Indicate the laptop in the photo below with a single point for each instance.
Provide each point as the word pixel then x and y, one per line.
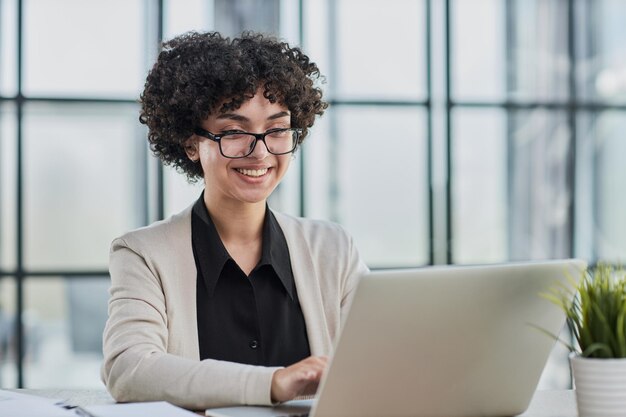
pixel 453 341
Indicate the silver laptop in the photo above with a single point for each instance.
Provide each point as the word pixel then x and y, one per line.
pixel 440 341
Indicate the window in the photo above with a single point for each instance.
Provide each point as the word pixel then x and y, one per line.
pixel 460 131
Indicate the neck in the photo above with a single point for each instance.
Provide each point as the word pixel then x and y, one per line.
pixel 236 222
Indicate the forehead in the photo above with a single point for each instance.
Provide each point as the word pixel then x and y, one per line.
pixel 256 108
pixel 259 103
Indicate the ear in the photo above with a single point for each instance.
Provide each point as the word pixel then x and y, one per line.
pixel 191 148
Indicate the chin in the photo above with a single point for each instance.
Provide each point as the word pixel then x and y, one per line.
pixel 253 199
pixel 252 195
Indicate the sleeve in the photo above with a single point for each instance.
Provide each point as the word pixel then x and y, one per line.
pixel 355 268
pixel 136 364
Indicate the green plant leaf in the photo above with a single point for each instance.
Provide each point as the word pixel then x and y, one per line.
pixel 595 311
pixel 597 347
pixel 621 341
pixel 569 346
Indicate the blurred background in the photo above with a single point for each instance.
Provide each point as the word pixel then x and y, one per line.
pixel 460 131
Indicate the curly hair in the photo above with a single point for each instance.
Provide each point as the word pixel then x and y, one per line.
pixel 198 74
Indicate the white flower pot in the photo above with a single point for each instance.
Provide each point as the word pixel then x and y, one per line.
pixel 600 386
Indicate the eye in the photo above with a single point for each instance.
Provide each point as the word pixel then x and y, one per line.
pixel 278 133
pixel 234 135
pixel 231 131
pixel 278 126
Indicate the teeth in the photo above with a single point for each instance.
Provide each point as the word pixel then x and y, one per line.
pixel 252 172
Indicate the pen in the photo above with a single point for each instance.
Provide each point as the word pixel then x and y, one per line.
pixel 80 411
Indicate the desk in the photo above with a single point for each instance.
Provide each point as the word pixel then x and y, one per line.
pixel 543 404
pixel 81 397
pixel 552 404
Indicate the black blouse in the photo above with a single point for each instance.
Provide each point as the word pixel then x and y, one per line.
pixel 253 319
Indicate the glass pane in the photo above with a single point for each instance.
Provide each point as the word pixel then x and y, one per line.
pixel 86 57
pixel 8 356
pixel 478 73
pixel 316 36
pixel 540 183
pixel 515 49
pixel 85 168
pixel 601 63
pixel 65 319
pixel 511 182
pixel 378 155
pixel 234 16
pixel 585 193
pixel 601 184
pixel 286 197
pixel 8 47
pixel 179 193
pixel 380 51
pixel 184 15
pixel 479 194
pixel 8 169
pixel 318 162
pixel 290 22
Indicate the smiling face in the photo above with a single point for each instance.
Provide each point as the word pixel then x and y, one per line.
pixel 247 180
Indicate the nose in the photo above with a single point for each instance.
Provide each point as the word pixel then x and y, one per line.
pixel 260 149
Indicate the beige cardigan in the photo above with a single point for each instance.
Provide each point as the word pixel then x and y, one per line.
pixel 151 338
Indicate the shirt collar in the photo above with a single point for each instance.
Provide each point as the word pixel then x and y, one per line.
pixel 209 251
pixel 211 255
pixel 275 251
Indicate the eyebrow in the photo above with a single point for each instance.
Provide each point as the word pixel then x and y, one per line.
pixel 240 118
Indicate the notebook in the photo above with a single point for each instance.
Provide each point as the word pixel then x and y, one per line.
pixel 454 341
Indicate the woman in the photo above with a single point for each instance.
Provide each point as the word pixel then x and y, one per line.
pixel 227 302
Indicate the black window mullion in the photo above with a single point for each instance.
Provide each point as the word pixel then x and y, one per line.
pixel 302 180
pixel 510 66
pixel 429 133
pixel 159 174
pixel 571 120
pixel 448 133
pixel 19 277
pixel 332 116
pixel 591 20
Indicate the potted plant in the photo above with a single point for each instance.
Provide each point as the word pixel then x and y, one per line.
pixel 597 319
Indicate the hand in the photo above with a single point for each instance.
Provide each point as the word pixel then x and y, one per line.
pixel 301 378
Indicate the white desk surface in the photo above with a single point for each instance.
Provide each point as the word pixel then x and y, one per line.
pixel 543 404
pixel 552 404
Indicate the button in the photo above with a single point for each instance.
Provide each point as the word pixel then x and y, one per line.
pixel 254 344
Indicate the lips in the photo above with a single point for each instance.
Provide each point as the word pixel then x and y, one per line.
pixel 252 172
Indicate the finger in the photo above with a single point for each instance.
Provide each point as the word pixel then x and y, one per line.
pixel 310 389
pixel 312 371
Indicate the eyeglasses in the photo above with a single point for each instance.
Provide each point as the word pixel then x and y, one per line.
pixel 236 144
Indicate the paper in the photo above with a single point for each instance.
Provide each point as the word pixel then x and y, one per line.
pixel 152 409
pixel 22 405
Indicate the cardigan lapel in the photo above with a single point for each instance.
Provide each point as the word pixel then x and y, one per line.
pixel 307 285
pixel 184 311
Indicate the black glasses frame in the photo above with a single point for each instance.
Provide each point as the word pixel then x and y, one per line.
pixel 257 137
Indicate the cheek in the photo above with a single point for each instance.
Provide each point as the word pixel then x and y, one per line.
pixel 210 156
pixel 285 161
pixel 215 170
